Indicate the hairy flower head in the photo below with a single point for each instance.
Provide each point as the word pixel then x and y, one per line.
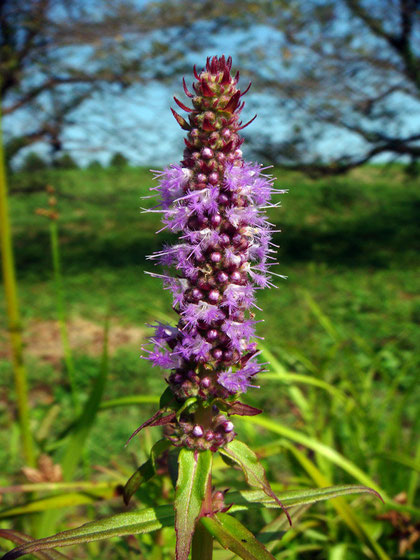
pixel 214 201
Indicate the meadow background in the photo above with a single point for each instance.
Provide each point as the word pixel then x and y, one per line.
pixel 341 394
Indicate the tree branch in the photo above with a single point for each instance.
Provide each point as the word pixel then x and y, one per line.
pixel 400 42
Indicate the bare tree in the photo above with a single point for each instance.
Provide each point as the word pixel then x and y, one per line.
pixel 337 82
pixel 57 54
pixel 348 66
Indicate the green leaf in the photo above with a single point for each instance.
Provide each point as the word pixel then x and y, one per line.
pixel 233 536
pixel 186 405
pixel 146 471
pixel 192 485
pixel 322 318
pixel 20 538
pixel 167 398
pixel 254 472
pixel 118 525
pixel 258 498
pixel 173 465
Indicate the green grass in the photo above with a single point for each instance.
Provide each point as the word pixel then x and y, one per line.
pixel 348 315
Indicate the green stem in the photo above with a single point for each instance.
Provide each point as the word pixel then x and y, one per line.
pixel 62 315
pixel 202 544
pixel 15 329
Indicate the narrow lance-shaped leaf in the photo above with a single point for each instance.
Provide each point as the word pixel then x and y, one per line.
pixel 254 472
pixel 193 479
pixel 158 419
pixel 258 498
pixel 236 408
pixel 121 524
pixel 20 538
pixel 233 536
pixel 146 471
pixel 242 409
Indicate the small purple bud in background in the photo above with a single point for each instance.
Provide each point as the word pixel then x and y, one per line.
pixel 217 353
pixel 222 277
pixel 197 294
pixel 198 431
pixel 224 240
pixel 212 334
pixel 228 427
pixel 214 296
pixel 235 276
pixel 207 153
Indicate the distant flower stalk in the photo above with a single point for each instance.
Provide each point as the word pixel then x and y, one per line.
pixel 215 202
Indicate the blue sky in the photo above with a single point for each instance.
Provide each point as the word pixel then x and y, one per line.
pixel 138 121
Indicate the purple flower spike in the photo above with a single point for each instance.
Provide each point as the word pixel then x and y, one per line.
pixel 215 201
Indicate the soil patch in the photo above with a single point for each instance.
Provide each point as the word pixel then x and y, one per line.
pixel 42 339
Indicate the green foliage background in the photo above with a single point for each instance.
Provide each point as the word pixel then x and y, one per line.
pixel 347 317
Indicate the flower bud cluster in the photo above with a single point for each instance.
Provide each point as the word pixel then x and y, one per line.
pixel 214 201
pixel 187 433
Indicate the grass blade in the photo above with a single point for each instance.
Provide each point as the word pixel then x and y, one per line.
pixel 129 401
pixel 290 378
pixel 343 509
pixel 318 447
pixel 75 444
pixel 57 502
